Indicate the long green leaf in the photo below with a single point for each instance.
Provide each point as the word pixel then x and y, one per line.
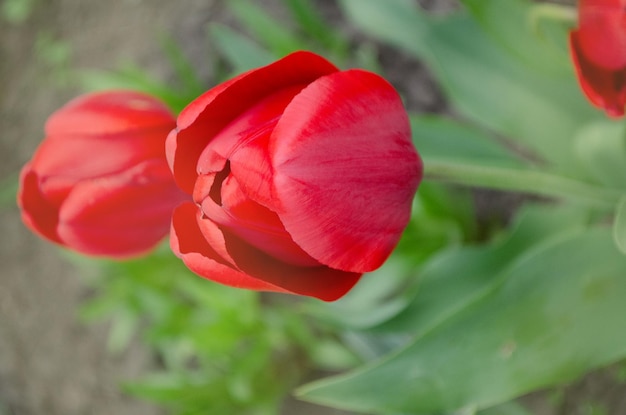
pixel 312 23
pixel 457 277
pixel 241 52
pixel 8 190
pixel 619 226
pixel 269 31
pixel 442 138
pixel 601 149
pixel 508 22
pixel 183 68
pixel 557 314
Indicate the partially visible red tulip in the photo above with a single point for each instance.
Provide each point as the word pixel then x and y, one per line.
pixel 302 176
pixel 598 49
pixel 99 182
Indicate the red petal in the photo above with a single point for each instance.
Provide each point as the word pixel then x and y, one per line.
pixel 210 113
pixel 602 32
pixel 605 88
pixel 100 134
pixel 189 244
pixel 121 215
pixel 38 213
pixel 109 113
pixel 244 143
pixel 256 123
pixel 255 224
pixel 345 170
pixel 251 165
pixel 225 198
pixel 321 282
pixel 254 269
pixel 71 157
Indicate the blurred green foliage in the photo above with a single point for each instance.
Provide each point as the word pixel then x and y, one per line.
pixel 17 11
pixel 8 190
pixel 454 322
pixel 234 351
pixel 54 55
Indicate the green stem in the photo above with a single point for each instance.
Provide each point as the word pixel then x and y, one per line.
pixel 549 11
pixel 520 180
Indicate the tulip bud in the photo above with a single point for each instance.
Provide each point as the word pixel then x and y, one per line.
pixel 99 182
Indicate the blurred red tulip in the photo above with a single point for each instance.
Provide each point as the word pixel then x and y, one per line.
pixel 99 183
pixel 302 176
pixel 598 49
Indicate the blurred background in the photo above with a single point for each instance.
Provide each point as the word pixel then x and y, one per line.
pixel 54 362
pixel 50 362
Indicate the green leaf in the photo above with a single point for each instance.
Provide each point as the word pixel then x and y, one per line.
pixel 619 226
pixel 122 329
pixel 396 21
pixel 437 203
pixel 98 308
pixel 460 276
pixel 446 139
pixel 310 21
pixel 183 68
pixel 240 51
pixel 557 313
pixel 509 23
pixel 442 216
pixel 509 408
pixel 601 149
pixel 332 355
pixel 266 29
pixel 168 388
pixel 8 190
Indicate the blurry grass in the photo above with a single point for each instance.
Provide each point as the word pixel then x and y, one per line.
pixel 17 11
pixel 54 55
pixel 8 191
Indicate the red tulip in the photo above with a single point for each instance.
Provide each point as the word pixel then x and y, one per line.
pixel 302 177
pixel 598 49
pixel 99 183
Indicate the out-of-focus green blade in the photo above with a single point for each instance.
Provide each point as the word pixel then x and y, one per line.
pixel 556 312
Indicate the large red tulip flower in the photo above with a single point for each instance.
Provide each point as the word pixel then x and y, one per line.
pixel 302 177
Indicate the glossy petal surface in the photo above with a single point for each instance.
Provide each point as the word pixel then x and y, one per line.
pixel 246 266
pixel 345 170
pixel 603 87
pixel 120 215
pixel 38 213
pixel 205 117
pixel 101 133
pixel 302 176
pixel 255 224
